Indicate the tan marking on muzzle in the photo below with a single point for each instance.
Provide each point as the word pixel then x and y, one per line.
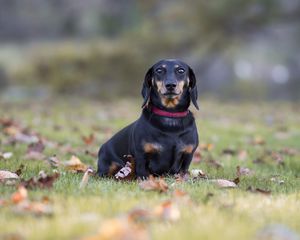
pixel 170 102
pixel 179 87
pixel 160 87
pixel 152 147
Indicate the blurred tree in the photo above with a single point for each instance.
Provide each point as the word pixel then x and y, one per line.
pixel 208 34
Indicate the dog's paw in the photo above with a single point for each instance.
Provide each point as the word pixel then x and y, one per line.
pixel 142 176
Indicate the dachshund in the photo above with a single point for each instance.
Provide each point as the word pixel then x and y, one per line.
pixel 163 140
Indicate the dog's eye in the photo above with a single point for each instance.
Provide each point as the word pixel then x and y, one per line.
pixel 159 70
pixel 180 70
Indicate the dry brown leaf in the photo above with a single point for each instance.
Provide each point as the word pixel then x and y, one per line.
pixel 42 181
pixel 258 140
pixel 206 146
pixel 36 147
pixel 120 229
pixel 35 208
pixel 7 175
pixel 179 193
pixel 54 161
pixel 214 163
pixel 167 211
pixel 289 151
pixel 19 171
pixel 125 173
pixel 75 165
pixel 34 156
pixel 88 139
pixel 197 156
pixel 198 173
pixel 223 183
pixel 154 184
pixel 140 215
pixel 20 195
pixel 85 178
pixel 259 190
pixel 6 155
pixel 242 155
pixel 181 177
pixel 243 171
pixel 229 151
pixel 181 196
pixel 22 205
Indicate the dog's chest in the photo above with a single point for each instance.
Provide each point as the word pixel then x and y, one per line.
pixel 162 154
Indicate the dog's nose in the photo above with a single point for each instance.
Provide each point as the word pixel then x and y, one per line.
pixel 170 86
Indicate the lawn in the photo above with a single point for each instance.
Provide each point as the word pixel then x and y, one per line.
pixel 263 139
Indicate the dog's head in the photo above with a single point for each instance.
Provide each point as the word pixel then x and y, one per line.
pixel 170 84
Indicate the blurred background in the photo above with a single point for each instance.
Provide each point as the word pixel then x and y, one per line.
pixel 239 50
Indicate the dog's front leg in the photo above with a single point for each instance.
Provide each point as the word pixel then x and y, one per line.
pixel 186 161
pixel 141 170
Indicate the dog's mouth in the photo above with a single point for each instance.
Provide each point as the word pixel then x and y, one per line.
pixel 171 94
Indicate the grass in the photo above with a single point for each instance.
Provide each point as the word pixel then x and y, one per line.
pixel 227 214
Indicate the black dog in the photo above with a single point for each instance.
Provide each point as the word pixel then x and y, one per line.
pixel 164 138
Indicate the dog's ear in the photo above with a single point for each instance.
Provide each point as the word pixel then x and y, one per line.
pixel 146 89
pixel 193 88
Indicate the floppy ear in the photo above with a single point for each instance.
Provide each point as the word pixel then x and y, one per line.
pixel 147 86
pixel 193 88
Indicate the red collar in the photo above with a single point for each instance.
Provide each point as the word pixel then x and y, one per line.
pixel 168 114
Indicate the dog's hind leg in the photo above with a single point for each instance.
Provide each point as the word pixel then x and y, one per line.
pixel 108 162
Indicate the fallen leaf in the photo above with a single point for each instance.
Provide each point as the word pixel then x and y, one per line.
pixel 20 170
pixel 127 172
pixel 20 195
pixel 154 184
pixel 181 196
pixel 236 180
pixel 7 175
pixel 198 173
pixel 289 151
pixel 42 181
pixel 75 165
pixel 22 205
pixel 11 236
pixel 259 190
pixel 122 228
pixel 182 177
pixel 277 157
pixel 140 215
pixel 124 173
pixel 167 211
pixel 88 139
pixel 258 140
pixel 223 183
pixel 85 178
pixel 276 180
pixel 6 155
pixel 242 155
pixel 36 147
pixel 35 208
pixel 243 171
pixel 229 151
pixel 197 157
pixel 34 156
pixel 206 146
pixel 54 161
pixel 214 163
